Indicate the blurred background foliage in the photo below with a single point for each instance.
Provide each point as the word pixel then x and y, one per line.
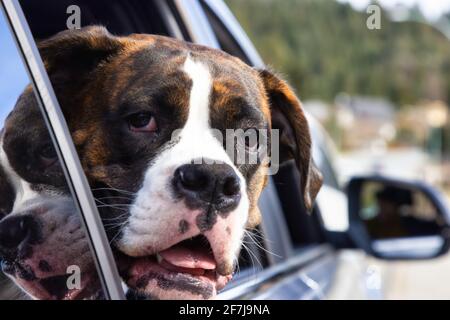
pixel 382 95
pixel 324 48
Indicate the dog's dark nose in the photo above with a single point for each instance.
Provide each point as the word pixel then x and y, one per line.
pixel 204 185
pixel 15 231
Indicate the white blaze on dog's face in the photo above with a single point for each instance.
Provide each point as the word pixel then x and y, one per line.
pixel 40 231
pixel 144 116
pixel 154 205
pixel 167 209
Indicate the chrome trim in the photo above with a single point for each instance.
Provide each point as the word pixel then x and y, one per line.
pixel 308 283
pixel 196 22
pixel 100 248
pixel 422 246
pixel 224 14
pixel 299 260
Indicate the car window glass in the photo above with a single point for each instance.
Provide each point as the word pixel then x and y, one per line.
pixel 122 117
pixel 48 17
pixel 226 40
pixel 44 249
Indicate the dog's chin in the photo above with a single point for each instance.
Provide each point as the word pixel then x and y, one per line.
pixel 54 287
pixel 186 270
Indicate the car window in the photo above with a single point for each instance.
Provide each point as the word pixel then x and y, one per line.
pixel 226 41
pixel 103 84
pixel 123 18
pixel 45 251
pixel 118 16
pixel 323 153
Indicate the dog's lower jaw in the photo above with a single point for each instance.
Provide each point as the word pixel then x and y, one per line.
pixel 150 280
pixel 179 272
pixel 56 288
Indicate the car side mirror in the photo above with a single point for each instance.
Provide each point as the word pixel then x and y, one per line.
pixel 394 219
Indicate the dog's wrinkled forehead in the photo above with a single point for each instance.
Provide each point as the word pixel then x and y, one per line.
pixel 156 71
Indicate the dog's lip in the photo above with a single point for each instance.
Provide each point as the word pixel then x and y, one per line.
pixel 145 273
pixel 55 287
pixel 185 261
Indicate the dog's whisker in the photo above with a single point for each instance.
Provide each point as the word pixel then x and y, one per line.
pixel 108 206
pixel 254 237
pixel 118 205
pixel 258 267
pixel 258 234
pixel 119 189
pixel 117 234
pixel 114 189
pixel 113 224
pixel 121 216
pixel 260 246
pixel 253 257
pixel 115 197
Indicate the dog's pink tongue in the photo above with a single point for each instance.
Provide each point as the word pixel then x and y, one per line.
pixel 187 258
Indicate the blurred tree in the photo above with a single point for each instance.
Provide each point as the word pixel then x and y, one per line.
pixel 324 48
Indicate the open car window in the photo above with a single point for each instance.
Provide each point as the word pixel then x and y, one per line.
pixel 105 70
pixel 45 251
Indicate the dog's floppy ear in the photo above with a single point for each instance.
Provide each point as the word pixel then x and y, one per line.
pixel 295 138
pixel 71 54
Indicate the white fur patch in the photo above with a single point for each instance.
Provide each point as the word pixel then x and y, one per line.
pixel 154 216
pixel 22 188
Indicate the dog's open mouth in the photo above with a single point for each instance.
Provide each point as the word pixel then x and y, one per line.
pixel 185 270
pixel 58 288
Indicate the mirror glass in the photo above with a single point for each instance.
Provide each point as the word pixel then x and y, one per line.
pixel 400 219
pixel 44 250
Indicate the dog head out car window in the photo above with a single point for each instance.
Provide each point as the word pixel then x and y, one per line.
pixel 150 117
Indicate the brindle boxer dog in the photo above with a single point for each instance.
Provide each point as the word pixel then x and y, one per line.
pixel 40 231
pixel 141 110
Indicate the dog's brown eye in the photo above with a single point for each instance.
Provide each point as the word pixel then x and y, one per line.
pixel 142 122
pixel 47 155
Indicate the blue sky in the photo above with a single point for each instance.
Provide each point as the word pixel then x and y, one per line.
pixel 13 77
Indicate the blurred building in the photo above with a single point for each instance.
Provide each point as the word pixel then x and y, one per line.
pixel 364 121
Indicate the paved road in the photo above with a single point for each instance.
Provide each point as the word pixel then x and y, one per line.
pixel 416 279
